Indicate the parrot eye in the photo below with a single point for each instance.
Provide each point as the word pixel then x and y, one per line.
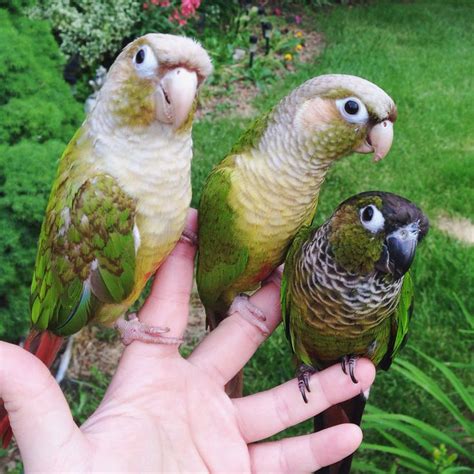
pixel 352 110
pixel 351 107
pixel 145 61
pixel 140 56
pixel 371 218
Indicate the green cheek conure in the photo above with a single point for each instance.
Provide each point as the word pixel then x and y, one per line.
pixel 346 292
pixel 120 199
pixel 255 201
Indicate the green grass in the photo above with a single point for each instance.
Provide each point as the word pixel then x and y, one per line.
pixel 421 53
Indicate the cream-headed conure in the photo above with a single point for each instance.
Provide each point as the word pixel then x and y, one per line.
pixel 255 201
pixel 346 292
pixel 120 198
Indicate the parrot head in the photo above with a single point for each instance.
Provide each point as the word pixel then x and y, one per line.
pixel 337 114
pixel 376 231
pixel 154 80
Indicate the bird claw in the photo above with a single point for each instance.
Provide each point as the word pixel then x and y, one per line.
pixel 304 374
pixel 132 329
pixel 249 312
pixel 349 363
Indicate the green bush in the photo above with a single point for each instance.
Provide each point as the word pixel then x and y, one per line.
pixel 37 118
pixel 90 28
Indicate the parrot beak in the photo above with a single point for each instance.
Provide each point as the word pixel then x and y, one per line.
pixel 175 96
pixel 379 140
pixel 401 247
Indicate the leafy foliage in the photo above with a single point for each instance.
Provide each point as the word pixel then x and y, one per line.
pixel 405 436
pixel 94 31
pixel 90 28
pixel 37 117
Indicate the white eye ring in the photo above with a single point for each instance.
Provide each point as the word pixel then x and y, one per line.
pixel 371 218
pixel 145 61
pixel 352 110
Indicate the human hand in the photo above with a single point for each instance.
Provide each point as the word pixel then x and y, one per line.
pixel 165 413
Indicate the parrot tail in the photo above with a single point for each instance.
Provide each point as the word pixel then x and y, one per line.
pixel 6 432
pixel 45 346
pixel 349 411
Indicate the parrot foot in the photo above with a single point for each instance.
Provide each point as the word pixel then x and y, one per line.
pixel 349 362
pixel 304 374
pixel 249 312
pixel 189 237
pixel 132 329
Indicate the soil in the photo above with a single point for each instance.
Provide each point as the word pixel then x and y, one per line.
pixel 216 103
pixel 457 227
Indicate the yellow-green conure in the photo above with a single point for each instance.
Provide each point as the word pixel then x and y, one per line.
pixel 119 201
pixel 255 201
pixel 346 293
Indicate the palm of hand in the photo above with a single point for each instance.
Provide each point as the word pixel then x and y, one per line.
pixel 191 426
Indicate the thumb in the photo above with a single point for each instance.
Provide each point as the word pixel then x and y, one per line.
pixel 39 414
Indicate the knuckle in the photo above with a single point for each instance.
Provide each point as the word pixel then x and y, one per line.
pixel 282 409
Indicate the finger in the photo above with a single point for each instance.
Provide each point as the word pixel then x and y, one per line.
pixel 229 347
pixel 306 453
pixel 38 412
pixel 168 302
pixel 266 413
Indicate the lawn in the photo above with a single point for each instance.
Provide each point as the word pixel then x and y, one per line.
pixel 421 53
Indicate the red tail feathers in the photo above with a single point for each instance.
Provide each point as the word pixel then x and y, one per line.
pixel 45 346
pixel 5 430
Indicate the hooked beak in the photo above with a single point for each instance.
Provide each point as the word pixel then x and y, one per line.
pixel 378 140
pixel 175 96
pixel 400 247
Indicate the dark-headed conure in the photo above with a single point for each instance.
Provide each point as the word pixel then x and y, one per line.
pixel 346 292
pixel 120 199
pixel 255 201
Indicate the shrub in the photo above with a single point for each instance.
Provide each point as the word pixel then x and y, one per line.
pixel 96 30
pixel 90 28
pixel 37 118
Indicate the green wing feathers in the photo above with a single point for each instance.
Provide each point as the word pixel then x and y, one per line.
pixel 86 255
pixel 222 258
pixel 400 322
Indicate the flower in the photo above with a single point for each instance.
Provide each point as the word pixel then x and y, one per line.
pixel 298 47
pixel 145 6
pixel 155 2
pixel 288 57
pixel 298 19
pixel 177 18
pixel 277 11
pixel 299 34
pixel 188 7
